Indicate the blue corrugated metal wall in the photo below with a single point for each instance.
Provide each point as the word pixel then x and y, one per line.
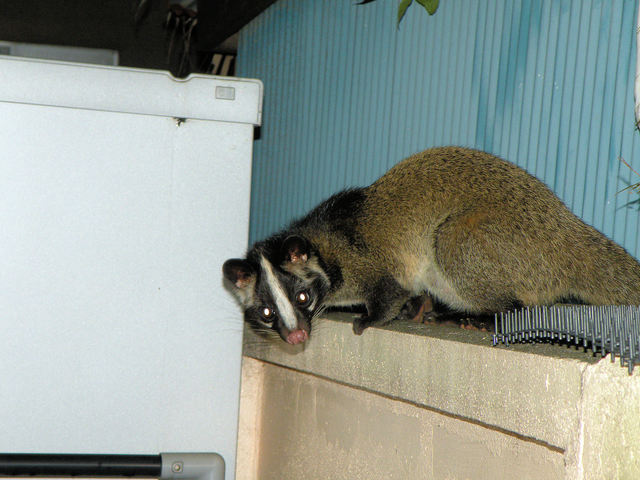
pixel 547 84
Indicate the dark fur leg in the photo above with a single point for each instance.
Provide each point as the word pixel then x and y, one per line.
pixel 384 303
pixel 417 309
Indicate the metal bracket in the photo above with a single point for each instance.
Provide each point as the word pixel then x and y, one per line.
pixel 192 466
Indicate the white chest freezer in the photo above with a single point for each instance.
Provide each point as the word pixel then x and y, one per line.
pixel 122 192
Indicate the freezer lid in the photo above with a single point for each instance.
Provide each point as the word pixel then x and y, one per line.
pixel 130 90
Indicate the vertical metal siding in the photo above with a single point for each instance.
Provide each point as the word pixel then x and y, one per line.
pixel 547 84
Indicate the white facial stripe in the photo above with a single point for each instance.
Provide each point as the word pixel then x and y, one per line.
pixel 285 309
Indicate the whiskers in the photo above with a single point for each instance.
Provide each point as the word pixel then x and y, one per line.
pixel 259 337
pixel 265 334
pixel 230 327
pixel 318 312
pixel 317 322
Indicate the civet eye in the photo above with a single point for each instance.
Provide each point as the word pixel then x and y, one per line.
pixel 267 313
pixel 302 298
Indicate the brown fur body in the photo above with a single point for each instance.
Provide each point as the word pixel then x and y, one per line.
pixel 476 232
pixel 481 234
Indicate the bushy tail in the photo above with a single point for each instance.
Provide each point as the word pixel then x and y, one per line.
pixel 611 276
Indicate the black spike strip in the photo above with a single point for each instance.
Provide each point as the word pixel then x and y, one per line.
pixel 609 329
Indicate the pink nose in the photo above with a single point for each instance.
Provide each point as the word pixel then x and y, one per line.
pixel 297 336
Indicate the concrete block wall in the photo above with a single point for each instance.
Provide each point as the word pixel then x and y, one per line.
pixel 433 402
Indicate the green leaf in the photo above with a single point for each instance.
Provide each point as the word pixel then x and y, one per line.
pixel 429 5
pixel 402 9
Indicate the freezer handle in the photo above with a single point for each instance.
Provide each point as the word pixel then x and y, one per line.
pixel 175 466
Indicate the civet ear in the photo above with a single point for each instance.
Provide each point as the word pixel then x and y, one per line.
pixel 239 272
pixel 295 249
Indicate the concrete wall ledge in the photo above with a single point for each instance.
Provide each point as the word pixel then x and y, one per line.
pixel 560 397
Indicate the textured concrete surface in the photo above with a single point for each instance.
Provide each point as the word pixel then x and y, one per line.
pixel 250 421
pixel 561 400
pixel 531 392
pixel 608 442
pixel 312 428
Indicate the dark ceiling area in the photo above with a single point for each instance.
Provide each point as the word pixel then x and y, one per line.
pixel 137 29
pixel 221 19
